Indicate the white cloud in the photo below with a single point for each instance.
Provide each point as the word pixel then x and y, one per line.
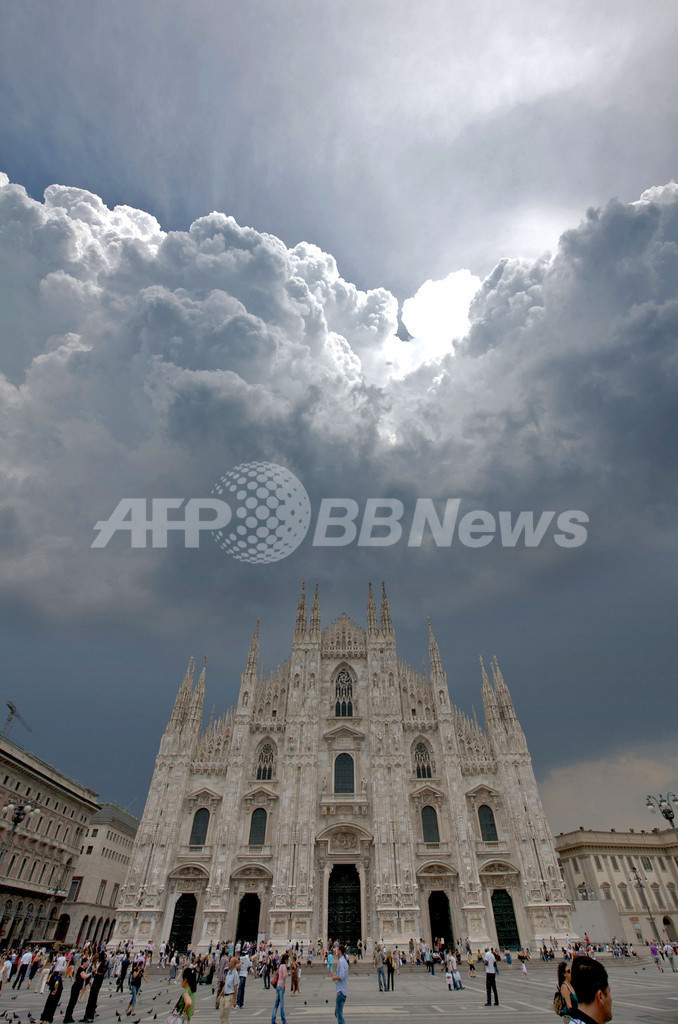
pixel 438 314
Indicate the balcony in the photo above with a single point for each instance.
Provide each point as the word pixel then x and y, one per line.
pixel 344 804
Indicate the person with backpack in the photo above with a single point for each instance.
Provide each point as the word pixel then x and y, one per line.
pixel 565 999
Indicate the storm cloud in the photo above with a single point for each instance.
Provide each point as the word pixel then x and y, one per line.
pixel 142 362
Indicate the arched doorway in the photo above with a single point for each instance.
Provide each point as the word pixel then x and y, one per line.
pixel 671 934
pixel 181 931
pixel 343 905
pixel 83 926
pixel 62 928
pixel 248 918
pixel 505 920
pixel 440 918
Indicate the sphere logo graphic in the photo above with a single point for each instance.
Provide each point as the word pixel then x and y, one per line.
pixel 271 512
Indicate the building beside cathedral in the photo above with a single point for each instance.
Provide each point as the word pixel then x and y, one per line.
pixel 344 796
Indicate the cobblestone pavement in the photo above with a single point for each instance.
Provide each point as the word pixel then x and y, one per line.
pixel 639 994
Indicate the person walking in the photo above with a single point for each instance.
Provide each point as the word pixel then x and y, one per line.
pixel 82 975
pixel 244 967
pixel 56 987
pixel 124 967
pixel 24 964
pixel 490 977
pixel 138 975
pixel 226 999
pixel 340 976
pixel 186 1001
pixel 279 979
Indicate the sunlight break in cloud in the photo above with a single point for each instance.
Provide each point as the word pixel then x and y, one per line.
pixel 438 313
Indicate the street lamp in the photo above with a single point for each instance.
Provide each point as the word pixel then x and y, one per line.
pixel 20 810
pixel 586 894
pixel 664 804
pixel 635 879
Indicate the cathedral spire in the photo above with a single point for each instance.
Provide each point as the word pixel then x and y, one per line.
pixel 502 691
pixel 507 712
pixel 302 625
pixel 489 697
pixel 198 695
pixel 184 692
pixel 315 614
pixel 433 652
pixel 253 656
pixel 372 627
pixel 385 618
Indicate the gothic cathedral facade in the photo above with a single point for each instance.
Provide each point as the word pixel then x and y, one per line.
pixel 344 796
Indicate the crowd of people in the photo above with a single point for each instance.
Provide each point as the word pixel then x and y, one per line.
pixel 225 967
pixel 87 968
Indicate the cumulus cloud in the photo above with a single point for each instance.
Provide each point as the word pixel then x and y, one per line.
pixel 140 362
pixel 135 358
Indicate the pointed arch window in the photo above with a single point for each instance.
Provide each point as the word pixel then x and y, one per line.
pixel 488 827
pixel 344 774
pixel 429 824
pixel 201 820
pixel 258 827
pixel 343 696
pixel 266 763
pixel 422 761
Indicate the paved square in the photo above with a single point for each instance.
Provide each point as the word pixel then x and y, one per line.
pixel 639 994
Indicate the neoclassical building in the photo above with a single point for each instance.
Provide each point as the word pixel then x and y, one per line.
pixel 344 796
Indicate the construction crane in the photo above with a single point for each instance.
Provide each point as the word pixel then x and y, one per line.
pixel 13 713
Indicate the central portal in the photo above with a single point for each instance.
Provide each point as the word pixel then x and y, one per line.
pixel 343 905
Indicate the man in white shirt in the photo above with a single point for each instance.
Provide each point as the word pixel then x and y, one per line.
pixel 340 976
pixel 491 977
pixel 24 964
pixel 244 968
pixel 227 996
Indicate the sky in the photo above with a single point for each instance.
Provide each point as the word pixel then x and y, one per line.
pixel 404 252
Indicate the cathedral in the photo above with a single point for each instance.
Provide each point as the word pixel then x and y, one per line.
pixel 343 797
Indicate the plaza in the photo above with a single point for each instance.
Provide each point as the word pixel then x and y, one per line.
pixel 640 994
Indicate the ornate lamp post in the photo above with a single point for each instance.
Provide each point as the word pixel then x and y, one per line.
pixel 20 810
pixel 635 878
pixel 664 804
